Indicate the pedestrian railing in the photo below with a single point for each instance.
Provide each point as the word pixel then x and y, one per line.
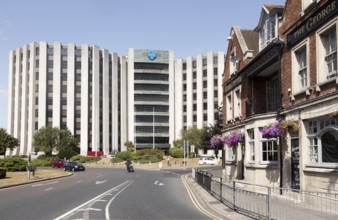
pixel 264 202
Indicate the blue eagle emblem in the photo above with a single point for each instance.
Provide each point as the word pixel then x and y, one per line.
pixel 152 55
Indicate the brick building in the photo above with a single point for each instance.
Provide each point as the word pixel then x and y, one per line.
pixel 285 70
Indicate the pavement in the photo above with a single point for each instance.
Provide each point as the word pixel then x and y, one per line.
pixel 201 198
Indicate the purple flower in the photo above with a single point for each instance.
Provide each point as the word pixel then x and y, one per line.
pixel 233 138
pixel 215 141
pixel 272 130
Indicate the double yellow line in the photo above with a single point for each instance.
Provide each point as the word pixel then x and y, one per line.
pixel 194 199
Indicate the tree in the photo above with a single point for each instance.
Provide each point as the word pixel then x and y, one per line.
pixel 7 142
pixel 194 135
pixel 67 141
pixel 50 138
pixel 129 145
pixel 178 143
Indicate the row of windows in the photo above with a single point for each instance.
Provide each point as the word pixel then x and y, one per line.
pixel 205 84
pixel 205 74
pixel 204 62
pixel 326 59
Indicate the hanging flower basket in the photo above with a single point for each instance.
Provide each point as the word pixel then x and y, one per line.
pixel 272 130
pixel 215 141
pixel 290 125
pixel 232 139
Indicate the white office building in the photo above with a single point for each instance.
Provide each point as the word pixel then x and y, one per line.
pixel 105 100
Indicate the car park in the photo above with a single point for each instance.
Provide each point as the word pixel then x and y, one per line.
pixel 57 163
pixel 73 166
pixel 207 161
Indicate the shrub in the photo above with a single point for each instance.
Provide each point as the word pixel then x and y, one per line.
pixel 124 155
pixel 150 152
pixel 116 160
pixel 176 152
pixel 3 173
pixel 14 164
pixel 45 162
pixel 84 159
pixel 147 159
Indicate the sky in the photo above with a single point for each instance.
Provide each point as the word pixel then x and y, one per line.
pixel 188 27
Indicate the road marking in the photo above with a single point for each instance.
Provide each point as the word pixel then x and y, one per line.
pixel 112 199
pixel 48 189
pixel 158 183
pixel 100 182
pixel 89 209
pixel 45 184
pixel 79 181
pixel 194 200
pixel 124 184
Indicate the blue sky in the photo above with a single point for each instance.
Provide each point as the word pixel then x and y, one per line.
pixel 188 27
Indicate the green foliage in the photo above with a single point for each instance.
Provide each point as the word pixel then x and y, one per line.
pixel 129 145
pixel 124 155
pixel 44 162
pixel 194 135
pixel 50 138
pixel 178 143
pixel 147 159
pixel 3 173
pixel 13 164
pixel 7 141
pixel 67 153
pixel 84 159
pixel 176 152
pixel 150 152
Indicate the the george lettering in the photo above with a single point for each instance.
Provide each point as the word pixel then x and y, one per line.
pixel 314 20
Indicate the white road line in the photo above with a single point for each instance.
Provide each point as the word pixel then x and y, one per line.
pixel 44 184
pixel 112 199
pixel 48 189
pixel 97 197
pixel 156 182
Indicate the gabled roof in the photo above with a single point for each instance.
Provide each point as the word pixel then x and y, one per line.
pixel 247 39
pixel 270 10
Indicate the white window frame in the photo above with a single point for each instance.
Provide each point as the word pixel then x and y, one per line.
pixel 229 111
pixel 265 34
pixel 232 65
pixel 321 52
pixel 297 86
pixel 230 153
pixel 237 102
pixel 274 143
pixel 315 129
pixel 251 145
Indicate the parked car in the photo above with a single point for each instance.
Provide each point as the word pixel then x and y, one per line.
pixel 207 161
pixel 57 163
pixel 73 166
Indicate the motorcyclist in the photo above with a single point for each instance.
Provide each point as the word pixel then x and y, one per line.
pixel 129 166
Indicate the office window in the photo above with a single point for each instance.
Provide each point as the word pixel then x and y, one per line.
pixel 205 106
pixel 205 84
pixel 194 107
pixel 215 60
pixel 194 64
pixel 205 95
pixel 194 96
pixel 194 75
pixel 194 85
pixel 205 61
pixel 184 76
pixel 205 73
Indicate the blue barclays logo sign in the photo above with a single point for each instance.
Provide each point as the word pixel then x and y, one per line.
pixel 152 55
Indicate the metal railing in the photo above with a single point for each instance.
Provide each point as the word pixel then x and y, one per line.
pixel 264 202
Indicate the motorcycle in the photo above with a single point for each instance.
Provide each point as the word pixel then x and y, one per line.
pixel 130 167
